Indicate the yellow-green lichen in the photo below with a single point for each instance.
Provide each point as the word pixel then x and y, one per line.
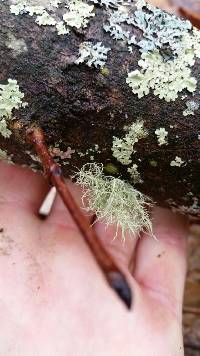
pixel 114 200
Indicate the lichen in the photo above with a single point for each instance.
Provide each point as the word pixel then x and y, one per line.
pixel 78 13
pixel 45 19
pixel 191 106
pixel 4 130
pixel 177 162
pixel 161 134
pixel 61 28
pixel 135 175
pixel 114 201
pixel 92 54
pixel 10 98
pixel 169 47
pixel 166 79
pixel 4 156
pixel 108 3
pixel 122 148
pixel 17 45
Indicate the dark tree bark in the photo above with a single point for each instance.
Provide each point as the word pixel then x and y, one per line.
pixel 79 107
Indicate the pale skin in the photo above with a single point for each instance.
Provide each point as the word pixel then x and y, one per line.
pixel 54 300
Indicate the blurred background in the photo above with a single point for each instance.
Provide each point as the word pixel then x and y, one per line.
pixel 189 9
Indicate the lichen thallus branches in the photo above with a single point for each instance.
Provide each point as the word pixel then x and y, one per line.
pixel 112 273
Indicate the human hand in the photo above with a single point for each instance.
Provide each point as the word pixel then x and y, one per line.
pixel 54 300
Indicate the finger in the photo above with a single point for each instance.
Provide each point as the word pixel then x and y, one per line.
pixel 120 247
pixel 60 214
pixel 22 186
pixel 161 265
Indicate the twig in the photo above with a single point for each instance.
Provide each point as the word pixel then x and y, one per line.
pixel 112 273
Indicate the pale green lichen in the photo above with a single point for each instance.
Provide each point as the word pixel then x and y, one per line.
pixel 135 175
pixel 78 13
pixel 161 134
pixel 177 162
pixel 92 54
pixel 191 107
pixel 4 130
pixel 4 156
pixel 114 200
pixel 10 98
pixel 45 19
pixel 169 48
pixel 122 148
pixel 61 28
pixel 166 78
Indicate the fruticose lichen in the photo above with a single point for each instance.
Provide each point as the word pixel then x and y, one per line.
pixel 122 148
pixel 92 54
pixel 114 200
pixel 177 162
pixel 191 106
pixel 161 134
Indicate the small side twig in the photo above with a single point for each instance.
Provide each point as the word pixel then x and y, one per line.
pixel 111 271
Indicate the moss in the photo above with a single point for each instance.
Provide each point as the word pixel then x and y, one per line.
pixel 110 168
pixel 153 163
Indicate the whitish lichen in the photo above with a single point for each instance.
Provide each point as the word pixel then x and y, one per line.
pixel 122 148
pixel 45 19
pixel 191 106
pixel 114 200
pixel 177 162
pixel 78 13
pixel 4 131
pixel 17 45
pixel 61 28
pixel 161 134
pixel 92 54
